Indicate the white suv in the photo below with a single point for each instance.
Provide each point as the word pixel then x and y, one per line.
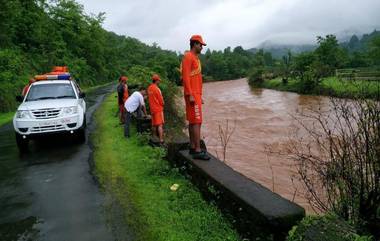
pixel 50 107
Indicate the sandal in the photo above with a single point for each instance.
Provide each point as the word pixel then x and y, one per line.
pixel 202 155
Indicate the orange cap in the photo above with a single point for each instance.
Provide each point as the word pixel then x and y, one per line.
pixel 123 78
pixel 156 77
pixel 198 38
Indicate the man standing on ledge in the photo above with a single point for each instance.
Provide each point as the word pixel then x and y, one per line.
pixel 156 104
pixel 192 86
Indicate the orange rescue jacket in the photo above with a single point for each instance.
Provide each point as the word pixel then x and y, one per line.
pixel 156 101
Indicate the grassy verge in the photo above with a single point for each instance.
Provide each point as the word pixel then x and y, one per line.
pixel 331 86
pixel 6 117
pixel 140 179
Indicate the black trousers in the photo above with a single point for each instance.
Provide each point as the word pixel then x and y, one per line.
pixel 128 119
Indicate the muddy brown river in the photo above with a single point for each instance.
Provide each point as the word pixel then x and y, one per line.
pixel 259 118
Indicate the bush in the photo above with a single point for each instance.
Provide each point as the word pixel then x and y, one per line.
pixel 308 82
pixel 337 155
pixel 324 228
pixel 12 77
pixel 256 77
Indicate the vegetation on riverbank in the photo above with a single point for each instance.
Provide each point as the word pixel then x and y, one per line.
pixel 327 227
pixel 319 72
pixel 330 86
pixel 140 179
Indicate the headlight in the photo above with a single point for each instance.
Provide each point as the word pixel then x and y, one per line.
pixel 23 114
pixel 70 110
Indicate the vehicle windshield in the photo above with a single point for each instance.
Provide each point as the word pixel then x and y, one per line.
pixel 50 91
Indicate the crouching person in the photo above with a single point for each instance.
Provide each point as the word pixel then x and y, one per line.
pixel 156 104
pixel 135 103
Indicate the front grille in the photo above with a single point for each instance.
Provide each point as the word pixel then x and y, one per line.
pixel 47 128
pixel 46 113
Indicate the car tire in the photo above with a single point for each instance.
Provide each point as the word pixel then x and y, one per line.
pixel 81 133
pixel 22 143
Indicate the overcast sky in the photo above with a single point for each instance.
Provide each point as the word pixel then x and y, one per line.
pixel 223 23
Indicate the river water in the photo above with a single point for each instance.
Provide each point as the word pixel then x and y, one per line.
pixel 259 119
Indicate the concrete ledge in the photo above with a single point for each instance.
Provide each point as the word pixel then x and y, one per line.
pixel 255 210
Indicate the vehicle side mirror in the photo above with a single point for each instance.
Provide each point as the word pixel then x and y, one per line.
pixel 82 95
pixel 19 98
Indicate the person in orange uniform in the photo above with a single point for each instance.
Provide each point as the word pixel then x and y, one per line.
pixel 192 84
pixel 122 92
pixel 26 88
pixel 156 104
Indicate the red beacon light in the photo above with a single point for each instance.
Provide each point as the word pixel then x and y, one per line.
pixel 63 76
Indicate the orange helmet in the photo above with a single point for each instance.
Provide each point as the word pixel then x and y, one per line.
pixel 155 77
pixel 123 79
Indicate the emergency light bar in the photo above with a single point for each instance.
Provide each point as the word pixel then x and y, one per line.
pixel 65 76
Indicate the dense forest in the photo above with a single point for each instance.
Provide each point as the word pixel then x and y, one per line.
pixel 38 34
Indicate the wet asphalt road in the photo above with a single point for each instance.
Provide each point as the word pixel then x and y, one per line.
pixel 50 193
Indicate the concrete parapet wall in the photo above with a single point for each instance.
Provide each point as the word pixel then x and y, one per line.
pixel 253 209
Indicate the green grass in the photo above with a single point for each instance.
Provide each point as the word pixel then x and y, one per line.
pixel 6 117
pixel 278 85
pixel 140 179
pixel 331 86
pixel 346 88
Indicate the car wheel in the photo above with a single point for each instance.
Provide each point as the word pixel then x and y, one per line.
pixel 81 133
pixel 22 143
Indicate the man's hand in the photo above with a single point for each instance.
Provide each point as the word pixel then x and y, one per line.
pixel 191 99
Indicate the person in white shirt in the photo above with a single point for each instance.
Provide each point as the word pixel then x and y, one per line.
pixel 135 103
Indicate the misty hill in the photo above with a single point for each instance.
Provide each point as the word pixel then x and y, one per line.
pixel 356 44
pixel 279 50
pixel 353 43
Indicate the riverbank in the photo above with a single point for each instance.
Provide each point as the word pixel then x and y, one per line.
pixel 140 179
pixel 330 86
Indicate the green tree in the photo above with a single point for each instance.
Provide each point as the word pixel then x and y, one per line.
pixel 286 66
pixel 329 55
pixel 374 50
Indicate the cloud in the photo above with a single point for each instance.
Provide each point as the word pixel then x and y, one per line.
pixel 235 22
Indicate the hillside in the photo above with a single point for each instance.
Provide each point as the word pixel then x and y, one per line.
pixel 353 43
pixel 35 35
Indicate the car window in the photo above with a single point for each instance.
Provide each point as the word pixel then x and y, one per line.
pixel 77 87
pixel 50 91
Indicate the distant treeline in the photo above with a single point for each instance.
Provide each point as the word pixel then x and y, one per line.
pixel 38 34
